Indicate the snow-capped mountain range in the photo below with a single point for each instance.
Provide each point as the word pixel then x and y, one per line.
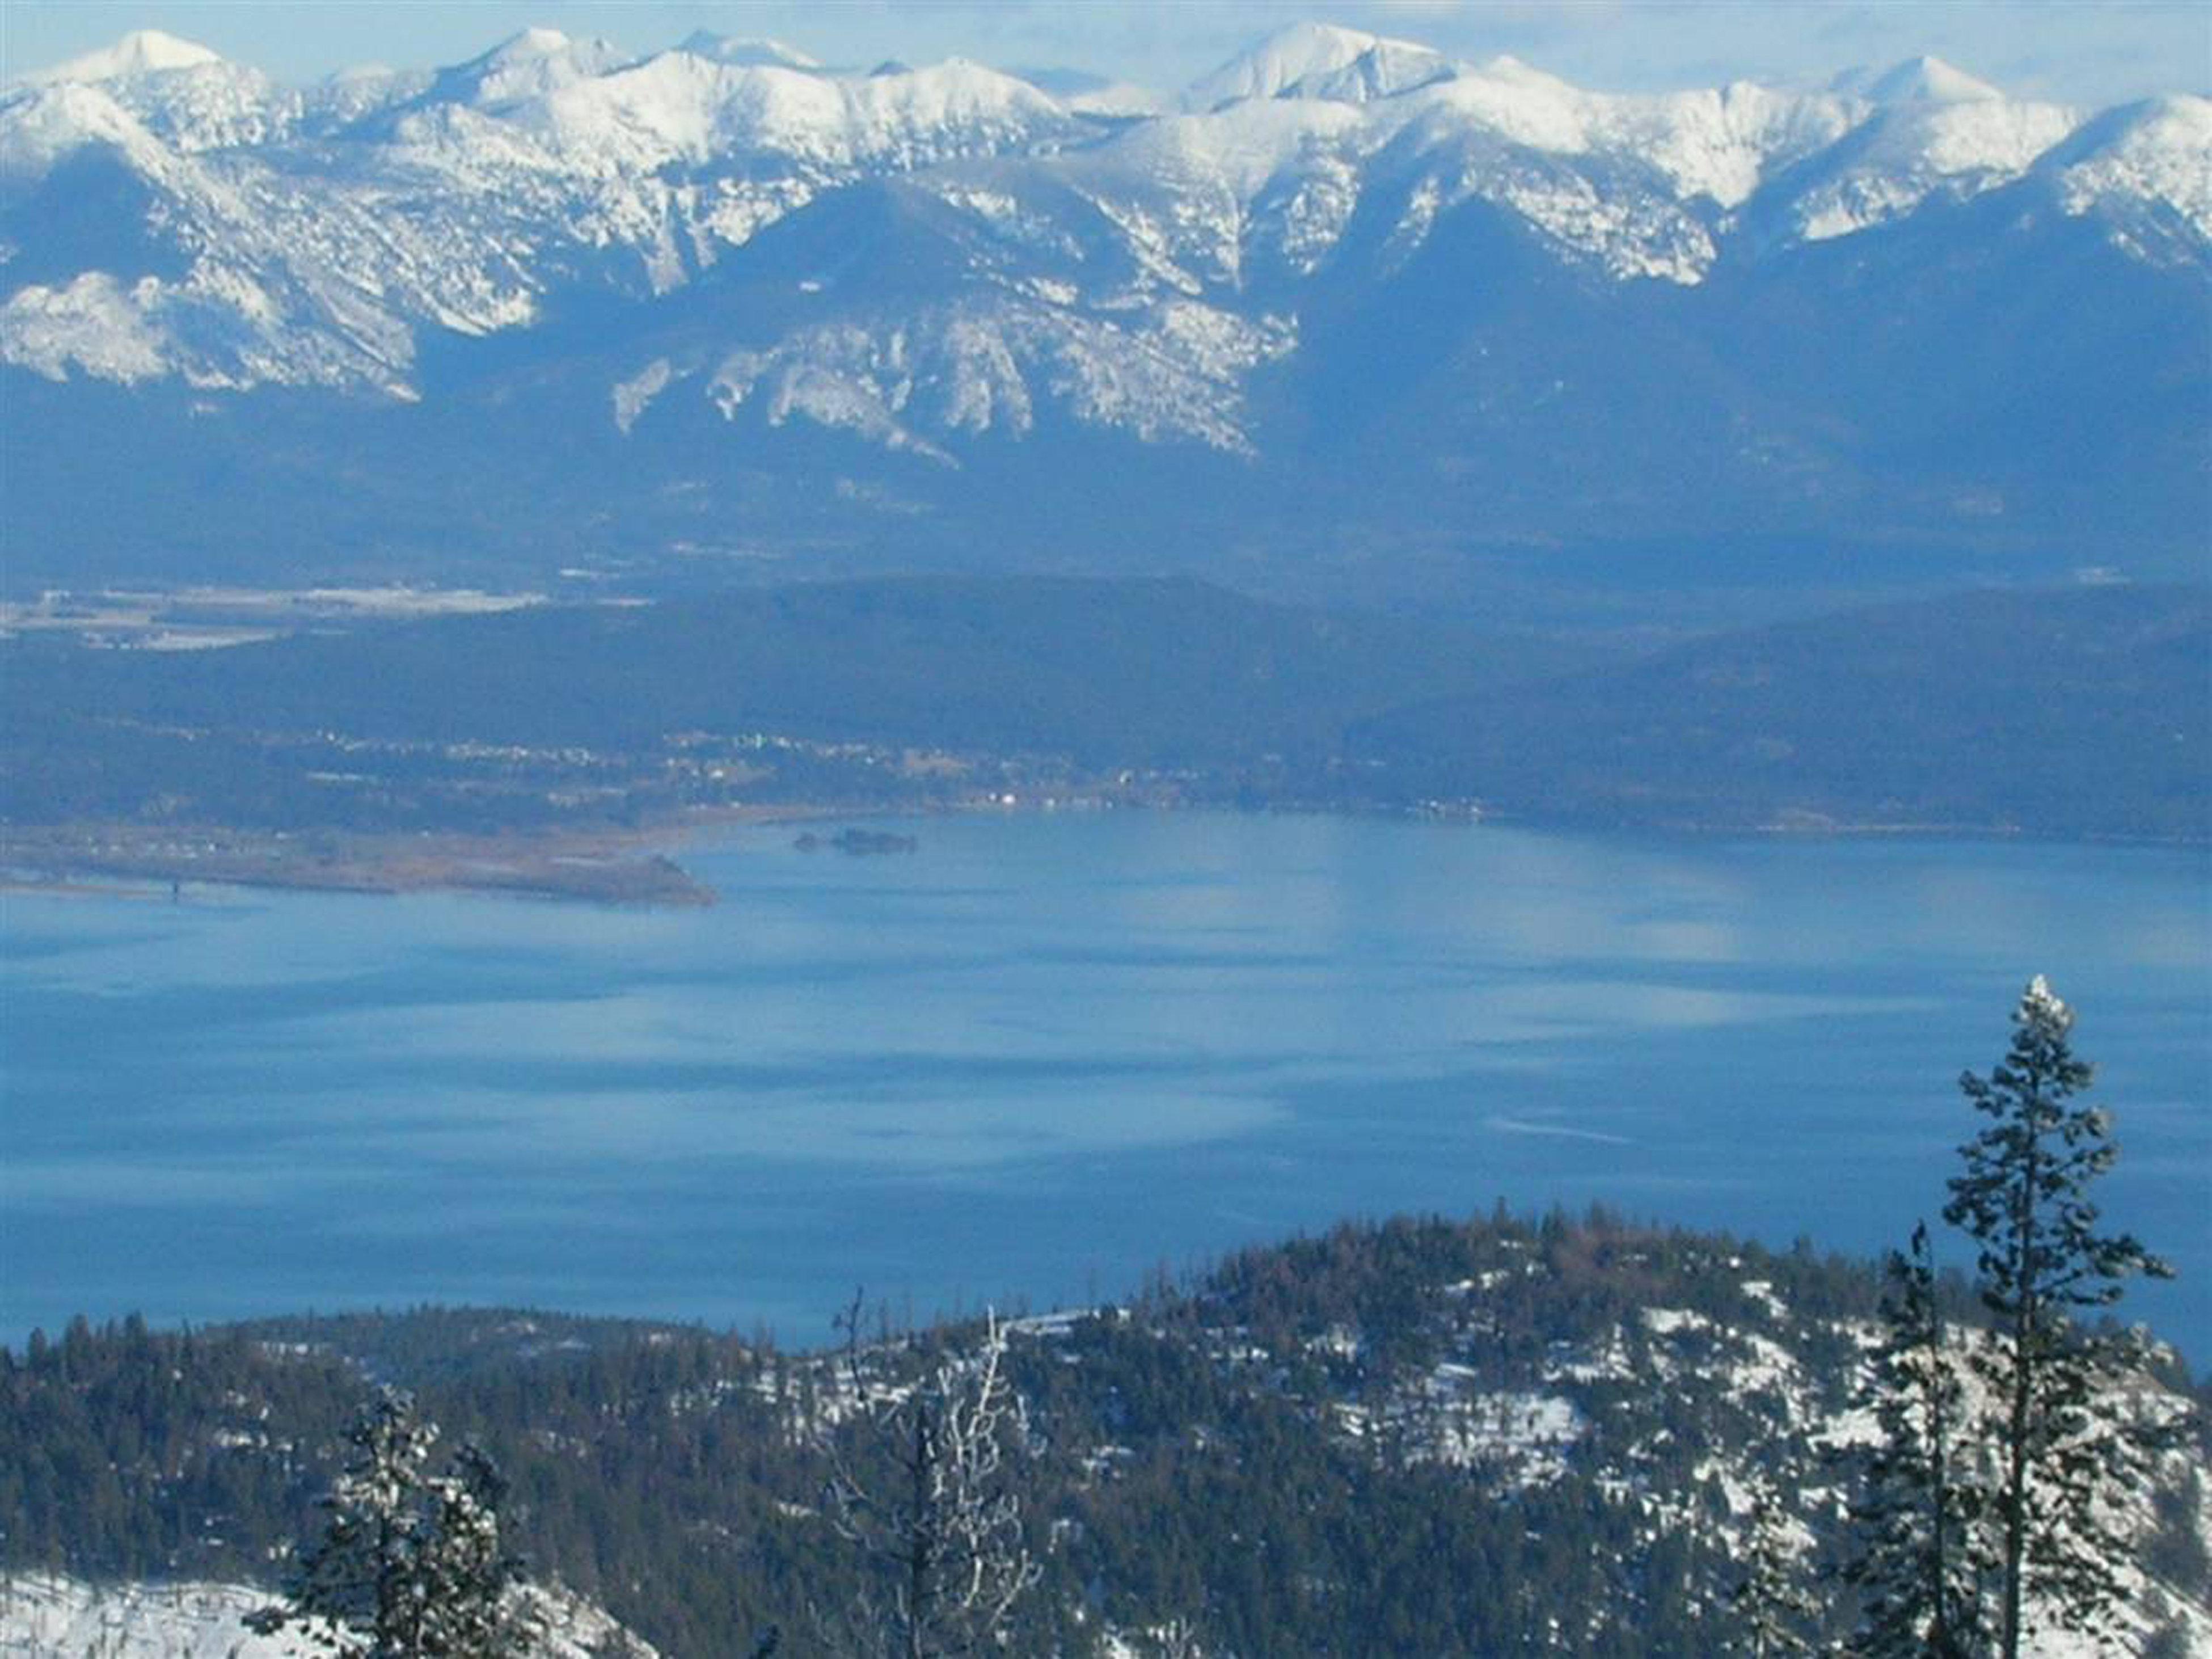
pixel 928 259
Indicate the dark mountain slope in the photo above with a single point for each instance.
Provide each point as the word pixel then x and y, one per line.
pixel 2081 711
pixel 2085 711
pixel 1163 673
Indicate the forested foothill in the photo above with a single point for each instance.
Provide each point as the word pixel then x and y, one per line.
pixel 2075 712
pixel 1421 1436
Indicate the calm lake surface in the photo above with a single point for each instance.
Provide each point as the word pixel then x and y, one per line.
pixel 1042 1056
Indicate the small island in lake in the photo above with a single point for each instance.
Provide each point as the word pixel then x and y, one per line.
pixel 858 843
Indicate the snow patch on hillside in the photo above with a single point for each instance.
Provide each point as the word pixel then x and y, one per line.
pixel 1170 371
pixel 94 325
pixel 633 396
pixel 44 1615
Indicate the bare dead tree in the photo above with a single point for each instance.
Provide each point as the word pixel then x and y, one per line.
pixel 919 1485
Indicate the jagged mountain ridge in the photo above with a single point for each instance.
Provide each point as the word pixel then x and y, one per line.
pixel 933 265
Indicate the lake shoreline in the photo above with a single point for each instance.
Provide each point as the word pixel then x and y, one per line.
pixel 640 864
pixel 604 866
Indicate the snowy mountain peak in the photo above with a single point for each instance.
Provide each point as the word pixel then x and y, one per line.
pixel 1384 71
pixel 1504 67
pixel 744 51
pixel 531 65
pixel 1086 94
pixel 531 42
pixel 142 51
pixel 950 95
pixel 2157 152
pixel 1928 81
pixel 1310 53
pixel 2181 121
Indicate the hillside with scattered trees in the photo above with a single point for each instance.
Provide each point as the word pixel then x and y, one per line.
pixel 1567 1434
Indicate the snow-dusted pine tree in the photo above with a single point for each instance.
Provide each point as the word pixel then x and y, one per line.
pixel 1772 1611
pixel 409 1564
pixel 467 1576
pixel 2072 1451
pixel 1769 1607
pixel 1921 1557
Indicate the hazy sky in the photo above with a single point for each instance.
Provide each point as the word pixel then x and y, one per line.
pixel 2089 52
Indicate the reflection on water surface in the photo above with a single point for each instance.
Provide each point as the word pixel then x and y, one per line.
pixel 1042 1056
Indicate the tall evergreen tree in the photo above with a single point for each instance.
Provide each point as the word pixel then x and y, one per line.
pixel 466 1572
pixel 1922 1558
pixel 409 1564
pixel 2071 1451
pixel 1769 1608
pixel 1771 1612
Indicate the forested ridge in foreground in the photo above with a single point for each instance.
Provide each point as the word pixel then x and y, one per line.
pixel 1421 1436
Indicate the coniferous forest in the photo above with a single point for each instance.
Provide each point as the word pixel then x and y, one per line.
pixel 1495 1435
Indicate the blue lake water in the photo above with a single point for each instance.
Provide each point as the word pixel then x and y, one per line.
pixel 1044 1055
